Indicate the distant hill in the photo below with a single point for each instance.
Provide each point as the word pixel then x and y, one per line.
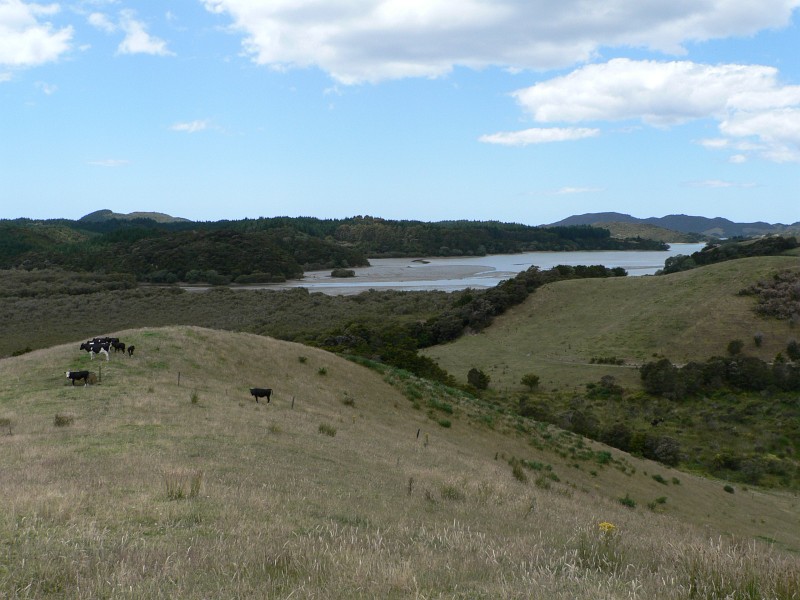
pixel 106 215
pixel 716 227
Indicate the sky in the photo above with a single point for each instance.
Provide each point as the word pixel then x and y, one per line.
pixel 524 111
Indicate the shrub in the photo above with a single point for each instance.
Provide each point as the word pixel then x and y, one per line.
pixel 343 273
pixel 660 479
pixel 735 347
pixel 478 379
pixel 5 423
pixel 445 423
pixel 322 371
pixel 793 350
pixel 302 359
pixel 628 501
pixel 530 380
pixel 728 488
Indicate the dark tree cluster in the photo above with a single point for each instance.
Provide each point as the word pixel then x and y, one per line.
pixel 729 250
pixel 738 372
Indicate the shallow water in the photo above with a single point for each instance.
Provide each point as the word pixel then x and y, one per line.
pixel 457 273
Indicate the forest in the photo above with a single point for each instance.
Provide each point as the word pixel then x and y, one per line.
pixel 270 250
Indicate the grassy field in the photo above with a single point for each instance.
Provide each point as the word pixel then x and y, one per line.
pixel 684 316
pixel 166 480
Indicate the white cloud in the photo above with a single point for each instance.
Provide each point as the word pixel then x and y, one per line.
pixel 371 40
pixel 109 162
pixel 538 135
pixel 27 42
pixel 102 22
pixel 719 183
pixel 190 126
pixel 137 40
pixel 658 93
pixel 47 88
pixel 755 113
pixel 567 191
pixel 5 76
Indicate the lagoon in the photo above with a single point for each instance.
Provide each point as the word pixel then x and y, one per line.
pixel 457 273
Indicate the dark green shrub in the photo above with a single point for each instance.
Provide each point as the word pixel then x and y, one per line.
pixel 728 488
pixel 478 379
pixel 627 501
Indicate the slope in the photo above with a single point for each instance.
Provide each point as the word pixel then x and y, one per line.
pixel 559 330
pixel 166 480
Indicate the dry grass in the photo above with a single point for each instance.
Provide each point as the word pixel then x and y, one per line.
pixel 374 512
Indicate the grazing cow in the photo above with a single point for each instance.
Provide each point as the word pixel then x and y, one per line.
pixel 130 350
pixel 78 375
pixel 96 348
pixel 261 393
pixel 117 346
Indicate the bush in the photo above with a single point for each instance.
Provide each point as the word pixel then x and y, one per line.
pixel 627 501
pixel 343 273
pixel 63 419
pixel 530 380
pixel 478 379
pixel 729 489
pixel 735 347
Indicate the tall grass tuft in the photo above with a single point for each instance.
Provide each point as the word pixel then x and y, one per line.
pixel 63 419
pixel 182 484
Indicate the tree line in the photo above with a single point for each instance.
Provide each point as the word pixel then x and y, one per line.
pixel 270 249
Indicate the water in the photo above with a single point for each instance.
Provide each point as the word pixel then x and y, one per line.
pixel 451 274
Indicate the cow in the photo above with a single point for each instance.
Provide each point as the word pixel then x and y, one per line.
pixel 261 393
pixel 118 346
pixel 78 375
pixel 96 348
pixel 131 348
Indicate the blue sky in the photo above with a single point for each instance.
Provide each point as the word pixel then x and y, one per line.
pixel 525 111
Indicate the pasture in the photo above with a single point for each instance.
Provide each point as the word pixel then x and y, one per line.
pixel 560 328
pixel 168 480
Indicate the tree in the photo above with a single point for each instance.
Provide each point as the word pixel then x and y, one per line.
pixel 478 379
pixel 530 380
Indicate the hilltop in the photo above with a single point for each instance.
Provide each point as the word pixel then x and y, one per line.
pixel 165 479
pixel 717 227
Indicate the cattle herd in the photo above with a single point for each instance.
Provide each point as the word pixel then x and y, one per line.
pixel 103 345
pixel 98 345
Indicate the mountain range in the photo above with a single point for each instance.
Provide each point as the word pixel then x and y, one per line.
pixel 716 227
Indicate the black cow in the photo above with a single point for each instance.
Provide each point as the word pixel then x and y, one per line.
pixel 78 375
pixel 261 393
pixel 96 348
pixel 117 346
pixel 130 350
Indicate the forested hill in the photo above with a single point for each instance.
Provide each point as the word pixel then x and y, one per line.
pixel 270 249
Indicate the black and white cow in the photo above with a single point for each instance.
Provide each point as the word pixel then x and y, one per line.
pixel 78 375
pixel 261 393
pixel 96 348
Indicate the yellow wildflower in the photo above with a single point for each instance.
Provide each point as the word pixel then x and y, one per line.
pixel 607 527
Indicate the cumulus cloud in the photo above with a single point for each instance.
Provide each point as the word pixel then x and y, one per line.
pixel 190 126
pixel 102 22
pixel 538 135
pixel 372 40
pixel 25 41
pixel 137 40
pixel 755 112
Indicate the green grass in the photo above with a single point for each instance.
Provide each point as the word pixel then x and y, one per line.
pixel 146 495
pixel 561 327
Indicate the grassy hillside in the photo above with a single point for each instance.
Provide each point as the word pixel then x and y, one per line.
pixel 684 316
pixel 624 229
pixel 166 480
